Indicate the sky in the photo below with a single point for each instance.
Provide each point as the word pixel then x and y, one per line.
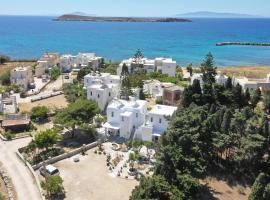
pixel 132 8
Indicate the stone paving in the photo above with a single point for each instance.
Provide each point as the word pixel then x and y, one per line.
pixel 122 167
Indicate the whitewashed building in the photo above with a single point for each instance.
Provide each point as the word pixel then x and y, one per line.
pixel 157 122
pixel 220 79
pixel 155 88
pixel 163 65
pixel 124 117
pixel 101 87
pixel 22 77
pixel 69 62
pixel 253 84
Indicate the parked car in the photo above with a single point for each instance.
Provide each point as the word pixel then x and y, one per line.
pixel 49 170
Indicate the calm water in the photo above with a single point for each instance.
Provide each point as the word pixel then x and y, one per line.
pixel 29 37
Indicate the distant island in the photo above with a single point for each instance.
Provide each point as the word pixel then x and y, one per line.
pixel 75 17
pixel 207 14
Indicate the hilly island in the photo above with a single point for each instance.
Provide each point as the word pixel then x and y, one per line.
pixel 74 17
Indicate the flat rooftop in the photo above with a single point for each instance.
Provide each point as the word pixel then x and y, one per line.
pixel 163 110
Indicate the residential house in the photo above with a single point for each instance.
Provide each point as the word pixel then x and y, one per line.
pixel 70 62
pixel 22 77
pixel 163 65
pixel 48 60
pixel 219 78
pixel 8 104
pixel 124 117
pixel 155 88
pixel 252 84
pixel 101 87
pixel 16 122
pixel 157 122
pixel 172 95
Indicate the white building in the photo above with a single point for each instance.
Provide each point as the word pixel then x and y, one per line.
pixel 8 104
pixel 48 60
pixel 157 122
pixel 106 78
pixel 101 87
pixel 163 65
pixel 69 62
pixel 155 88
pixel 220 79
pixel 22 77
pixel 124 117
pixel 253 84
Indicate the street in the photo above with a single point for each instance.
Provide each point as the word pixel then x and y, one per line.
pixel 22 179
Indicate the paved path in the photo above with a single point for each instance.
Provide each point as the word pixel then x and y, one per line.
pixel 22 179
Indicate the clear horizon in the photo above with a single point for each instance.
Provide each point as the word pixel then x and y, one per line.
pixel 150 8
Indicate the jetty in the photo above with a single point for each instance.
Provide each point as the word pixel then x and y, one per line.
pixel 243 43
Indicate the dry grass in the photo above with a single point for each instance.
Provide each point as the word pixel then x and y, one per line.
pixel 221 190
pixel 52 103
pixel 11 65
pixel 250 72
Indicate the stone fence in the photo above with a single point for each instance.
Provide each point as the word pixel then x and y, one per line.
pixel 46 96
pixel 66 155
pixel 8 185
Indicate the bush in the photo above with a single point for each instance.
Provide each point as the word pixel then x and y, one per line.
pixel 39 113
pixel 55 72
pixel 4 59
pixel 5 78
pixel 23 95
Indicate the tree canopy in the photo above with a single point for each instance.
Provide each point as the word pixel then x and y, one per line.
pixel 39 112
pixel 77 113
pixel 217 130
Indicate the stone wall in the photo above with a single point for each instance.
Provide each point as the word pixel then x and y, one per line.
pixel 8 185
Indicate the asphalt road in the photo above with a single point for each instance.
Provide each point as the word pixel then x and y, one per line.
pixel 21 177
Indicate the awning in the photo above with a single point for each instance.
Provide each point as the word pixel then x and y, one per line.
pixel 111 126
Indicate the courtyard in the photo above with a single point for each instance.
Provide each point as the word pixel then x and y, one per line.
pixel 89 179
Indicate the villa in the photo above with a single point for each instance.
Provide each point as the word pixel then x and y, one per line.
pixel 70 62
pixel 22 77
pixel 101 87
pixel 155 88
pixel 157 122
pixel 8 104
pixel 130 119
pixel 47 61
pixel 172 95
pixel 163 65
pixel 253 84
pixel 124 117
pixel 220 79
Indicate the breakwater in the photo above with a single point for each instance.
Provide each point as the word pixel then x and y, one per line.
pixel 243 43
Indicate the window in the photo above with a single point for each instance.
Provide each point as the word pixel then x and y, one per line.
pixel 109 94
pixel 112 114
pixel 136 115
pixel 123 119
pixel 91 93
pixel 160 120
pixel 98 96
pixel 151 119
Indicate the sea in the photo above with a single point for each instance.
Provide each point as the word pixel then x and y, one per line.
pixel 25 37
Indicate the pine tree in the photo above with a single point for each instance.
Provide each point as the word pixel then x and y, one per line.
pixel 260 189
pixel 208 69
pixel 190 69
pixel 125 90
pixel 228 84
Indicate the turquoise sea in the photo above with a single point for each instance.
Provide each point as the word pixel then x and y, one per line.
pixel 30 37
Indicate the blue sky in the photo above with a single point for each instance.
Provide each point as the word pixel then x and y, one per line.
pixel 132 8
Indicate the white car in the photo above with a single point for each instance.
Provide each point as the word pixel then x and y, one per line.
pixel 49 170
